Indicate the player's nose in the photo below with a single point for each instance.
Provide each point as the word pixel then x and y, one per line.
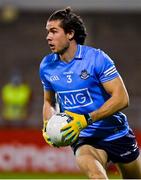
pixel 49 37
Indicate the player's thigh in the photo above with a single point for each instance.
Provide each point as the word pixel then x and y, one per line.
pixel 87 154
pixel 132 169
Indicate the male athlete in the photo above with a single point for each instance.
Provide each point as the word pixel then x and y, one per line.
pixel 92 92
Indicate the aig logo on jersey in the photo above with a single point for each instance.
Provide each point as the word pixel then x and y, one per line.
pixel 84 74
pixel 54 78
pixel 75 98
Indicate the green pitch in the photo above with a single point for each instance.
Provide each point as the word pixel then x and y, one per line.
pixel 30 175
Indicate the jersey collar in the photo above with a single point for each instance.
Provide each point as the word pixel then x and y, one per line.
pixel 55 57
pixel 78 54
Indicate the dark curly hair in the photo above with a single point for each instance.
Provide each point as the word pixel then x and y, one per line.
pixel 70 21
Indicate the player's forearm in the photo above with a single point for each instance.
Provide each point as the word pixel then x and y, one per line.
pixel 48 111
pixel 111 106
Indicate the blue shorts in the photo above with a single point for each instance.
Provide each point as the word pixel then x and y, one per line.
pixel 121 150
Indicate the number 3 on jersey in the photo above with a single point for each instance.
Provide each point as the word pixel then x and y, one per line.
pixel 69 79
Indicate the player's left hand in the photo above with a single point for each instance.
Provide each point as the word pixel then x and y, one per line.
pixel 73 128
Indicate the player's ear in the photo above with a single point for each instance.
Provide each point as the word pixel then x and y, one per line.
pixel 71 34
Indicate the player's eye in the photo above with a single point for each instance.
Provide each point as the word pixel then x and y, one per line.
pixel 54 31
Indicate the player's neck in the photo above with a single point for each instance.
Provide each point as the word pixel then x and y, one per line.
pixel 69 54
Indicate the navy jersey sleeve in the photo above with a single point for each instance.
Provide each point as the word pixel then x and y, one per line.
pixel 105 67
pixel 46 84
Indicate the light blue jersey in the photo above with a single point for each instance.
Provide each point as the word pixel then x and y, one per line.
pixel 78 85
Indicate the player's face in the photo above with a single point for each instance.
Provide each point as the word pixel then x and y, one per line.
pixel 57 39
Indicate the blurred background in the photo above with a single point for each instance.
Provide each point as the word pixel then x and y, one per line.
pixel 112 25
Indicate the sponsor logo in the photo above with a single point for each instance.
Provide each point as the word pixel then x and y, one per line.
pixel 75 98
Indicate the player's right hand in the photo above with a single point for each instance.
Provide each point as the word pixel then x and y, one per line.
pixel 45 136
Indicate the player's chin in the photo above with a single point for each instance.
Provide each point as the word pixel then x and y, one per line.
pixel 53 50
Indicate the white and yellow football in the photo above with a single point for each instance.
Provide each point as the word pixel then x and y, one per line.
pixel 53 129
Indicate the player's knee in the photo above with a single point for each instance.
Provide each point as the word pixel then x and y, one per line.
pixel 91 167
